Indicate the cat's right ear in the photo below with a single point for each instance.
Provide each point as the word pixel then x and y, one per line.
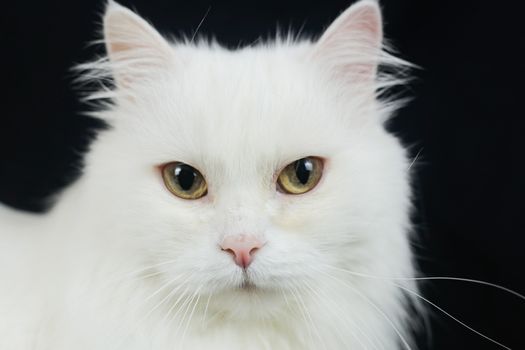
pixel 135 49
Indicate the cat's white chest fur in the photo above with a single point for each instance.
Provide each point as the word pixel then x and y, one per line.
pixel 241 200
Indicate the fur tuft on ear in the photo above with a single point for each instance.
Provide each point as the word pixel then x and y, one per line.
pixel 134 47
pixel 136 54
pixel 351 46
pixel 352 52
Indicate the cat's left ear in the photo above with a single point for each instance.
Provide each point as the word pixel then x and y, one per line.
pixel 351 46
pixel 134 47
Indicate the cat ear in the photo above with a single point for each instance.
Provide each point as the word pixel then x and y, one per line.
pixel 135 49
pixel 351 46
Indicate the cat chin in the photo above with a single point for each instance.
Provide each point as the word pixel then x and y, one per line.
pixel 248 303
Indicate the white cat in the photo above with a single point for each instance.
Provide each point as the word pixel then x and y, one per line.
pixel 236 202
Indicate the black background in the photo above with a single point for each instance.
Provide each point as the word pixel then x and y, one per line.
pixel 465 119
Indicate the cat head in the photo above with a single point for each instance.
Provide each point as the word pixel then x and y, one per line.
pixel 237 121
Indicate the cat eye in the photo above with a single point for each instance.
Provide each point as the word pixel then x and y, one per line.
pixel 300 176
pixel 184 181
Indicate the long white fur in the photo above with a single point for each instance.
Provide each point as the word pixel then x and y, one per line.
pixel 120 263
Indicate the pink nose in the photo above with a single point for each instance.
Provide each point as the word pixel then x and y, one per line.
pixel 241 247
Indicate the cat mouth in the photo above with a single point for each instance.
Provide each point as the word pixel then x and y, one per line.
pixel 247 284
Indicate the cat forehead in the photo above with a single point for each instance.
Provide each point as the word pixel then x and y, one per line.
pixel 232 104
pixel 246 84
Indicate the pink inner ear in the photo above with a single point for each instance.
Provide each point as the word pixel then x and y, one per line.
pixel 352 44
pixel 125 31
pixel 367 22
pixel 134 47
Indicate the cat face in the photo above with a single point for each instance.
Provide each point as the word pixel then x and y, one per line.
pixel 240 118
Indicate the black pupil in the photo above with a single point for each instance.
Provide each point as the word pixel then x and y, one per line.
pixel 303 169
pixel 185 176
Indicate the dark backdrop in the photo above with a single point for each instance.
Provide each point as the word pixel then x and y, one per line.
pixel 466 120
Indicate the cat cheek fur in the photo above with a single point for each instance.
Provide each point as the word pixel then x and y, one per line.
pixel 148 270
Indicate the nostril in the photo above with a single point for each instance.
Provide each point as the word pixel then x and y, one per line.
pixel 229 250
pixel 253 250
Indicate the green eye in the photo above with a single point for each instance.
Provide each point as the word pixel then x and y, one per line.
pixel 300 176
pixel 184 181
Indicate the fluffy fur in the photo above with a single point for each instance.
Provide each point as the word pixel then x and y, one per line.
pixel 120 263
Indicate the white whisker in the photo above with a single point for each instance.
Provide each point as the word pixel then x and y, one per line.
pixel 200 24
pixel 206 310
pixel 162 301
pixel 312 323
pixel 452 317
pixel 368 301
pixel 191 315
pixel 442 278
pixel 303 315
pixel 183 295
pixel 285 299
pixel 342 320
pixel 164 286
pixel 149 267
pixel 432 278
pixel 415 159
